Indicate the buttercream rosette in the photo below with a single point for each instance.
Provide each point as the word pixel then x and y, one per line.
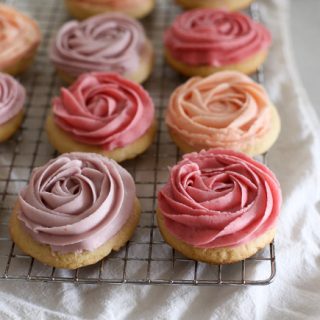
pixel 12 100
pixel 110 42
pixel 215 37
pixel 219 199
pixel 76 202
pixel 104 111
pixel 19 39
pixel 12 97
pixel 225 110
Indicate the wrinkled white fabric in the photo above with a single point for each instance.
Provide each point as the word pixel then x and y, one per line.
pixel 295 293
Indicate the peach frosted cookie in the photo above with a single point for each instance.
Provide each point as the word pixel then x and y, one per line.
pixel 19 40
pixel 225 110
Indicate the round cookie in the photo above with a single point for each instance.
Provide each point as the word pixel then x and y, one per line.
pixel 82 9
pixel 12 100
pixel 20 38
pixel 102 113
pixel 225 110
pixel 75 211
pixel 232 5
pixel 219 206
pixel 203 41
pixel 110 42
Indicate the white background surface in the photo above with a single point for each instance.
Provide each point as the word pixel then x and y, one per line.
pixel 305 30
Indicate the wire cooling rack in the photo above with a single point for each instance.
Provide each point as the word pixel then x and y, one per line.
pixel 146 259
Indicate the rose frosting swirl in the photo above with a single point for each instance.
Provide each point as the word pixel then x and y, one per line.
pixel 110 42
pixel 77 202
pixel 19 35
pixel 219 198
pixel 104 109
pixel 215 37
pixel 224 110
pixel 12 97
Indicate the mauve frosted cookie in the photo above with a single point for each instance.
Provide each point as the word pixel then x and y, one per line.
pixel 12 101
pixel 110 42
pixel 75 210
pixel 219 206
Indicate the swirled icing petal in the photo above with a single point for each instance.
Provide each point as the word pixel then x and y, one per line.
pixel 225 110
pixel 12 97
pixel 19 36
pixel 237 200
pixel 215 37
pixel 110 42
pixel 77 202
pixel 104 109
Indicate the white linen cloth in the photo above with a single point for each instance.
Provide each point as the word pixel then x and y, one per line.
pixel 295 292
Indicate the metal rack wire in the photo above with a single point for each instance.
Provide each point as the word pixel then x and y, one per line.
pixel 146 259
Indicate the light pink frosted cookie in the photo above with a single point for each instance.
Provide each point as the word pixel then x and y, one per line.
pixel 75 210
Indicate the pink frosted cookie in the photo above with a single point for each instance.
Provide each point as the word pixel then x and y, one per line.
pixel 232 5
pixel 102 113
pixel 219 206
pixel 204 41
pixel 75 210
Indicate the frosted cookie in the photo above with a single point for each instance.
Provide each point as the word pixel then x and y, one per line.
pixel 111 42
pixel 75 210
pixel 225 110
pixel 12 100
pixel 203 41
pixel 19 40
pixel 232 5
pixel 82 9
pixel 102 113
pixel 219 206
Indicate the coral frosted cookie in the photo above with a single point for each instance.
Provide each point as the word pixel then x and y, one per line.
pixel 204 41
pixel 219 206
pixel 75 210
pixel 82 9
pixel 19 40
pixel 225 4
pixel 12 100
pixel 103 113
pixel 111 42
pixel 225 110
